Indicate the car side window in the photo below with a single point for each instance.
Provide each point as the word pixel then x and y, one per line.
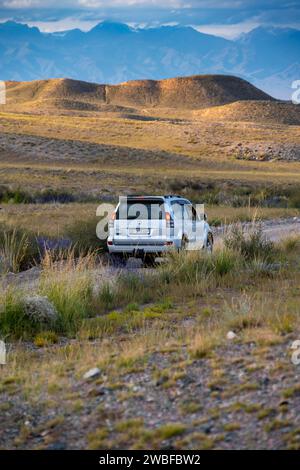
pixel 188 212
pixel 195 215
pixel 177 208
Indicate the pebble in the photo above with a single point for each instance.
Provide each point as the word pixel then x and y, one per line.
pixel 230 335
pixel 92 373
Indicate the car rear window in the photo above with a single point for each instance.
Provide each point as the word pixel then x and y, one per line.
pixel 147 209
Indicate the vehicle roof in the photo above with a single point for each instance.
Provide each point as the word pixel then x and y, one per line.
pixel 163 196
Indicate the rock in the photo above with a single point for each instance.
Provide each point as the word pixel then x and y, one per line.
pixel 283 403
pixel 230 335
pixel 216 388
pixel 39 309
pixel 265 381
pixel 161 380
pixel 92 373
pixel 207 429
pixel 98 391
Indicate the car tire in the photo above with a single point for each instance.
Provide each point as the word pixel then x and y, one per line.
pixel 184 243
pixel 209 243
pixel 149 261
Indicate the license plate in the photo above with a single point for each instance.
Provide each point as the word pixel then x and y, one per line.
pixel 139 231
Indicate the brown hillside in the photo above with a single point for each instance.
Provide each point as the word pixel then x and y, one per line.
pixel 41 96
pixel 195 92
pixel 61 88
pixel 257 111
pixel 182 93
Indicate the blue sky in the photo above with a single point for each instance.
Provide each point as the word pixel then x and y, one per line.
pixel 227 18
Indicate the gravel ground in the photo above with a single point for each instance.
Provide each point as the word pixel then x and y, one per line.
pixel 248 406
pixel 243 395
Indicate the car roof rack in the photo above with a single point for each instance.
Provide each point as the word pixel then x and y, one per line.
pixel 141 196
pixel 167 196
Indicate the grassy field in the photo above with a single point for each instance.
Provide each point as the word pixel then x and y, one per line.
pixel 108 154
pixel 52 219
pixel 162 345
pixel 169 375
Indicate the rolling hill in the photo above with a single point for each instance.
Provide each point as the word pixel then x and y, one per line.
pixel 191 93
pixel 271 112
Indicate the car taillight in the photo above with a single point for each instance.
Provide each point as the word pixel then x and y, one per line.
pixel 169 220
pixel 112 219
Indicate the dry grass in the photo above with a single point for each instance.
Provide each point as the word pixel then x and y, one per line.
pixel 138 336
pixel 52 219
pixel 105 152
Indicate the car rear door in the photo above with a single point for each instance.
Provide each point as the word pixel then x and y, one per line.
pixel 140 219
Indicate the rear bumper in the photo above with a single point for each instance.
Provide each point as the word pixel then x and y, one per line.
pixel 141 247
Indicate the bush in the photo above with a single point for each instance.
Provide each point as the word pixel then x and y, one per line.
pixel 68 284
pixel 250 243
pixel 187 267
pixel 134 288
pixel 106 297
pixel 18 249
pixel 224 262
pixel 198 268
pixel 14 322
pixel 39 310
pixel 45 338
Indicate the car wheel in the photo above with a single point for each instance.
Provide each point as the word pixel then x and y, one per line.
pixel 209 243
pixel 184 243
pixel 149 261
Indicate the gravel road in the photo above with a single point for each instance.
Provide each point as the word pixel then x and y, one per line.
pixel 275 230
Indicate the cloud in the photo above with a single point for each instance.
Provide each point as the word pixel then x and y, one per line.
pixel 227 31
pixel 227 18
pixel 181 4
pixel 20 4
pixel 130 3
pixel 64 24
pixel 230 5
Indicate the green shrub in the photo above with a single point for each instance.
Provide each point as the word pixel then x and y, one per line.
pixel 250 244
pixel 106 297
pixel 224 262
pixel 45 338
pixel 68 284
pixel 187 267
pixel 14 323
pixel 18 249
pixel 134 288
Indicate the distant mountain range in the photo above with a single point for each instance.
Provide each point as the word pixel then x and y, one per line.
pixel 114 52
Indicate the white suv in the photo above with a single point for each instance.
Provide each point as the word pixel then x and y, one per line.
pixel 149 226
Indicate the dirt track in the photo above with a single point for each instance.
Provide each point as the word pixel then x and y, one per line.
pixel 275 230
